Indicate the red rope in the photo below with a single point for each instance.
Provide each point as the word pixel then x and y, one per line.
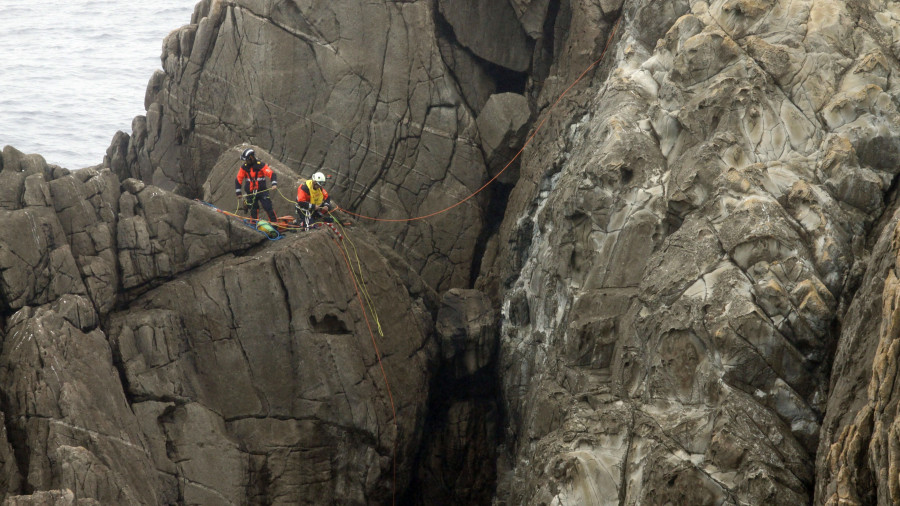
pixel 380 363
pixel 514 158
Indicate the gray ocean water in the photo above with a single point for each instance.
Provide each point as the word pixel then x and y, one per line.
pixel 73 72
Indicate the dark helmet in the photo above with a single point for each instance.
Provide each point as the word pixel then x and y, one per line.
pixel 248 153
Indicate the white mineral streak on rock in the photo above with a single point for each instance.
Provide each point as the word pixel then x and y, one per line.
pixel 702 314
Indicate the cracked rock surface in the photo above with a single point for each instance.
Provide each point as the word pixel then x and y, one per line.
pixel 678 254
pixel 685 292
pixel 156 351
pixel 358 90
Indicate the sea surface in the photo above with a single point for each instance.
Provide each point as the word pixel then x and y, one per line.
pixel 73 72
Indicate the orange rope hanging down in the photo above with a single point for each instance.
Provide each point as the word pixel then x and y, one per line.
pixel 380 363
pixel 353 278
pixel 514 158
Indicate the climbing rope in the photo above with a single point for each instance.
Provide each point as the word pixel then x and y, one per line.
pixel 361 279
pixel 514 158
pixel 476 192
pixel 381 365
pixel 362 293
pixel 250 222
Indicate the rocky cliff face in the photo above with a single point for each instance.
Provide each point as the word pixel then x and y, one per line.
pixel 684 285
pixel 156 351
pixel 677 259
pixel 355 89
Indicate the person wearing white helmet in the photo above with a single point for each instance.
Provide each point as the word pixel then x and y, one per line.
pixel 251 178
pixel 313 202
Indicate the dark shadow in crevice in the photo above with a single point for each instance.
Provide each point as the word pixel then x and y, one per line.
pixel 493 219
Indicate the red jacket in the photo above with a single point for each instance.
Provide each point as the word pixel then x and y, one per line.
pixel 306 196
pixel 252 178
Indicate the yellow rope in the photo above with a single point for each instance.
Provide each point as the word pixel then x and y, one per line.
pixel 362 281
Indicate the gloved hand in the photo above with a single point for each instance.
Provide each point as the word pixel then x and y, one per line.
pixel 241 205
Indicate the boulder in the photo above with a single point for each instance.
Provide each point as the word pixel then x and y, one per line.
pixel 503 124
pixel 490 30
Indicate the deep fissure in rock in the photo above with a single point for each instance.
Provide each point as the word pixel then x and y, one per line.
pixel 496 210
pixel 461 481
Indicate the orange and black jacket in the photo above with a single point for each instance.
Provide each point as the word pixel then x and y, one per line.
pixel 307 197
pixel 252 178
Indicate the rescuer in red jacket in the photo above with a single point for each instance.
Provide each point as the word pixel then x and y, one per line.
pixel 313 202
pixel 251 178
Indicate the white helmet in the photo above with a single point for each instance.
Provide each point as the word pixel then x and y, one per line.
pixel 319 178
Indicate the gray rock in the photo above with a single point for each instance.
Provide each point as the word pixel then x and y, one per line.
pixel 673 263
pixel 532 15
pixel 502 125
pixel 457 464
pixel 490 30
pixel 379 109
pixel 852 459
pixel 36 262
pixel 473 78
pixel 50 498
pixel 219 186
pixel 161 235
pixel 466 326
pixel 265 362
pixel 685 243
pixel 66 408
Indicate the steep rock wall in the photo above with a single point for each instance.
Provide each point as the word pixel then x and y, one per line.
pixel 156 351
pixel 855 462
pixel 680 245
pixel 685 239
pixel 355 89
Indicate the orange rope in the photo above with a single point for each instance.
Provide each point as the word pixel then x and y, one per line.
pixel 540 125
pixel 380 363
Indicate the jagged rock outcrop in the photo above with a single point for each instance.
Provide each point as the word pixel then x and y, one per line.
pixel 688 256
pixel 156 351
pixel 675 257
pixel 303 385
pixel 855 458
pixel 66 412
pixel 353 88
